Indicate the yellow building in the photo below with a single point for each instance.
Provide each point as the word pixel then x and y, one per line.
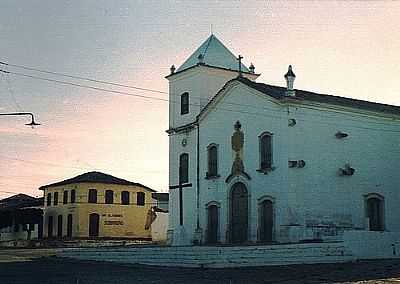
pixel 96 205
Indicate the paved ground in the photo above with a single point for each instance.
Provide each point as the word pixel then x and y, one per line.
pixel 27 266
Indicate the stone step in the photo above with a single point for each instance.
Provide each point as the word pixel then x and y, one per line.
pixel 208 256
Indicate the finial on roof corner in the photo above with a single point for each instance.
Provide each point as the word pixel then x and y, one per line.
pixel 290 72
pixel 172 69
pixel 240 65
pixel 252 68
pixel 290 77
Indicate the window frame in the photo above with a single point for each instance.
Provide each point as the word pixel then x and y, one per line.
pixel 183 177
pixel 92 198
pixel 65 197
pixel 184 103
pixel 261 138
pixel 381 199
pixel 210 174
pixel 48 200
pixel 72 196
pixel 140 196
pixel 55 198
pixel 125 200
pixel 109 196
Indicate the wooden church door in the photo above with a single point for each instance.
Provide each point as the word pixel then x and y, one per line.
pixel 239 213
pixel 212 227
pixel 266 221
pixel 94 225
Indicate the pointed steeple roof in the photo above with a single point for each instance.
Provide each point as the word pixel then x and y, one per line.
pixel 214 53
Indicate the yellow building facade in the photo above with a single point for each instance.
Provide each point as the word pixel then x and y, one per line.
pixel 96 205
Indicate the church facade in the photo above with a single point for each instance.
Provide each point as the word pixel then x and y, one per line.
pixel 251 162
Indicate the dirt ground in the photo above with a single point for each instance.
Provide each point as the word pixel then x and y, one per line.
pixel 41 266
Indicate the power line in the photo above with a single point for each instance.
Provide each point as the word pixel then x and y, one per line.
pixel 82 78
pixel 12 94
pixel 64 166
pixel 83 86
pixel 95 80
pixel 166 100
pixel 108 82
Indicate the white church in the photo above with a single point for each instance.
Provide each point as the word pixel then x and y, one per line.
pixel 255 163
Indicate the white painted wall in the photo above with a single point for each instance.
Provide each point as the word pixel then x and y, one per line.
pixel 159 227
pixel 8 234
pixel 370 245
pixel 306 199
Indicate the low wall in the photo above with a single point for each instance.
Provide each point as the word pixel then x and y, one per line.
pixel 372 245
pixel 159 227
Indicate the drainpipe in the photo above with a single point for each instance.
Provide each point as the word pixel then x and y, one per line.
pixel 198 176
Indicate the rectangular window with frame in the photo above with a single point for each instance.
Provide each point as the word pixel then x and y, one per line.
pixel 185 103
pixel 266 151
pixel 65 197
pixel 92 197
pixel 55 198
pixel 184 168
pixel 125 198
pixel 140 199
pixel 48 203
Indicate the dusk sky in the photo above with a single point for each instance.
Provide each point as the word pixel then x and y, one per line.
pixel 342 48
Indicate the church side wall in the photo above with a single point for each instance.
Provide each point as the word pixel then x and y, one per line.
pixel 332 202
pixel 312 202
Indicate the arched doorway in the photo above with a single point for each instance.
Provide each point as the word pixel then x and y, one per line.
pixel 212 225
pixel 375 214
pixel 266 221
pixel 239 213
pixel 59 226
pixel 94 225
pixel 50 227
pixel 69 226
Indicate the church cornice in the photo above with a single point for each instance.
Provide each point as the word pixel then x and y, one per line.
pixel 183 128
pixel 210 66
pixel 306 98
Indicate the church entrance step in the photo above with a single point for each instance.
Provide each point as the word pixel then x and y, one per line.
pixel 209 256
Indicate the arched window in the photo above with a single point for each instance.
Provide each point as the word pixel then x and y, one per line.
pixel 73 196
pixel 375 212
pixel 212 161
pixel 140 199
pixel 65 197
pixel 92 198
pixel 109 197
pixel 125 198
pixel 55 198
pixel 48 203
pixel 266 151
pixel 185 103
pixel 184 168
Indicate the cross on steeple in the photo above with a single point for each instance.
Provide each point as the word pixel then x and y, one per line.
pixel 240 65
